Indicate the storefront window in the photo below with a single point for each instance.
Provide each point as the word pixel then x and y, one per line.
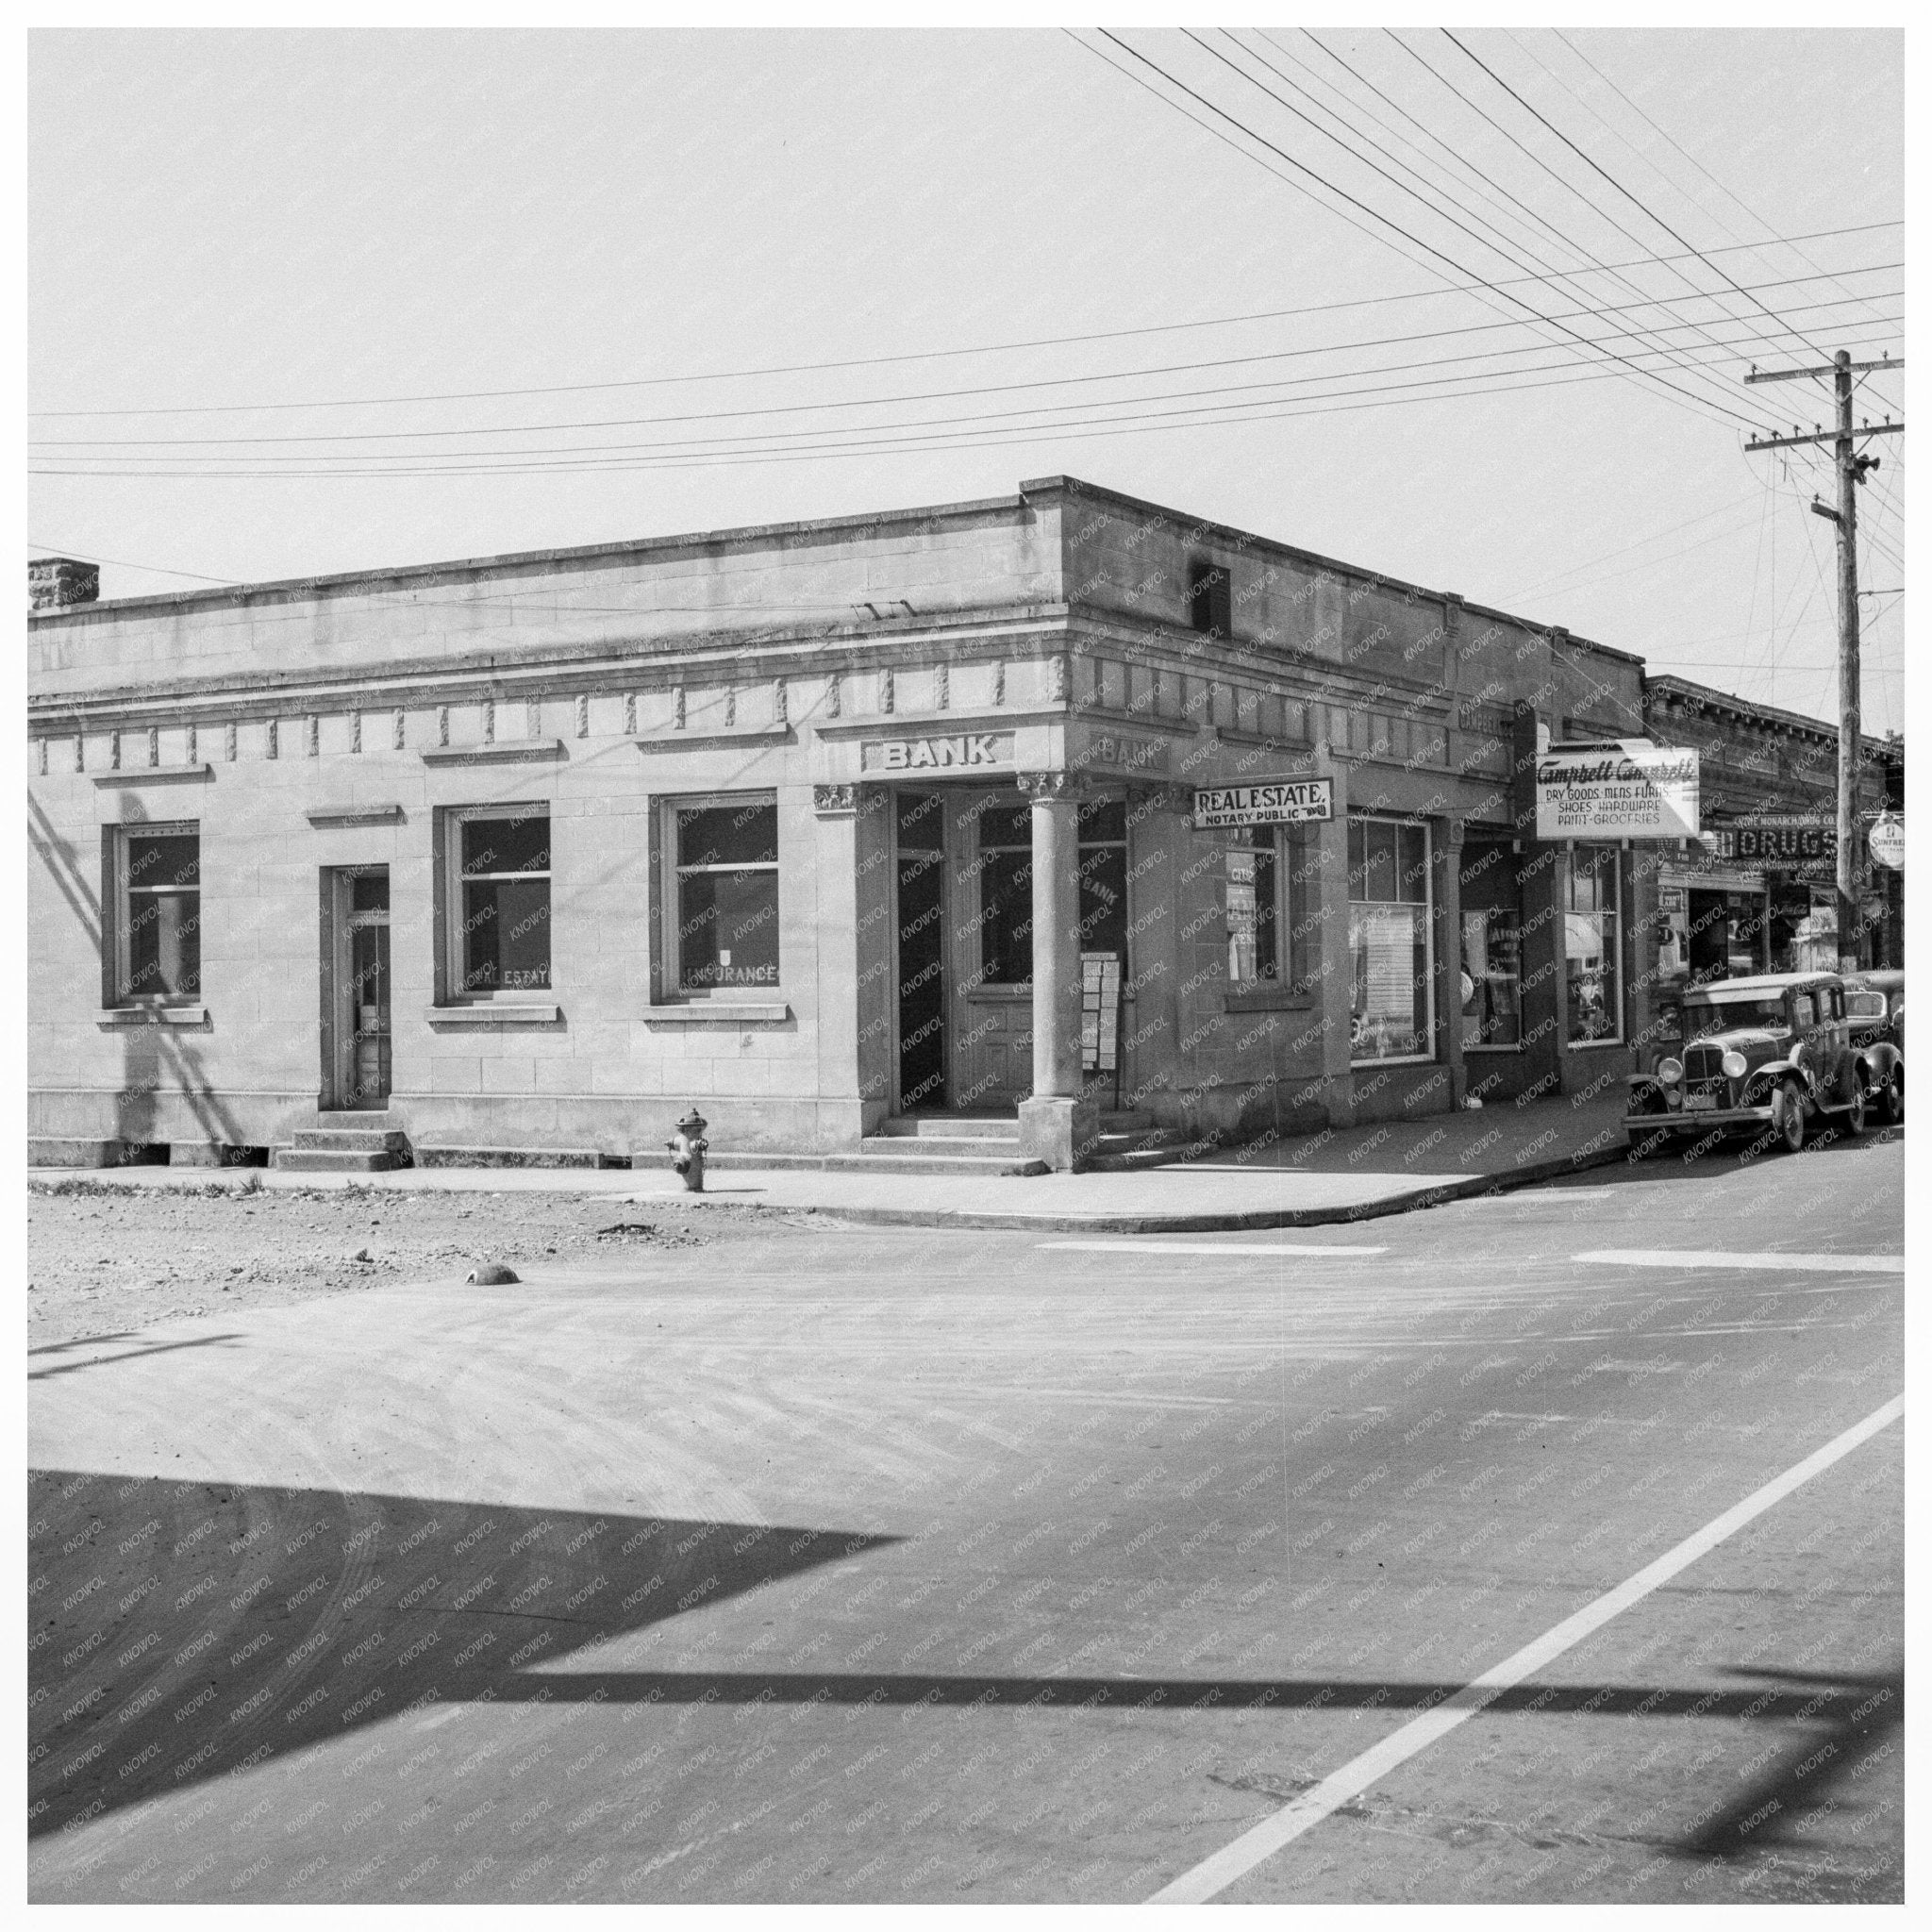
pixel 159 914
pixel 1267 876
pixel 1389 938
pixel 1591 952
pixel 727 893
pixel 1490 977
pixel 502 940
pixel 1005 887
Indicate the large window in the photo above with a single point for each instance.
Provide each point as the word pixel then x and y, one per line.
pixel 1490 977
pixel 1591 964
pixel 1393 1017
pixel 158 933
pixel 1005 887
pixel 1267 876
pixel 499 855
pixel 725 860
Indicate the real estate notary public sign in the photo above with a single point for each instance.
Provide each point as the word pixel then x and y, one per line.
pixel 1617 792
pixel 1274 801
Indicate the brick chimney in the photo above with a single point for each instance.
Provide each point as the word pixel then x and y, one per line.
pixel 55 581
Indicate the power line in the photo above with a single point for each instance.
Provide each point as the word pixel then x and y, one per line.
pixel 1625 192
pixel 121 562
pixel 1571 276
pixel 1695 401
pixel 1666 134
pixel 883 438
pixel 926 395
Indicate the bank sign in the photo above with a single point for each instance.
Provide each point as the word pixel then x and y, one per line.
pixel 1617 792
pixel 1275 802
pixel 963 751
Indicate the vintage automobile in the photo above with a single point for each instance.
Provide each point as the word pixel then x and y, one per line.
pixel 1876 1005
pixel 1769 1053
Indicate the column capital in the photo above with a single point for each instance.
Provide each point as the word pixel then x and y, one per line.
pixel 1048 788
pixel 835 801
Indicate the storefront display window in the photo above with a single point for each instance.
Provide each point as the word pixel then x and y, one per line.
pixel 1389 937
pixel 1593 967
pixel 500 943
pixel 1491 978
pixel 1266 880
pixel 726 861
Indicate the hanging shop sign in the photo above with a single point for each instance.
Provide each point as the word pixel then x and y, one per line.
pixel 963 751
pixel 1617 792
pixel 1887 840
pixel 1274 801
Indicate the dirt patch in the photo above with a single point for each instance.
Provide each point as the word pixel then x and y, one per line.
pixel 104 1258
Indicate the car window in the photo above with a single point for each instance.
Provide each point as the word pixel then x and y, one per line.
pixel 1703 1018
pixel 1803 1012
pixel 1865 1005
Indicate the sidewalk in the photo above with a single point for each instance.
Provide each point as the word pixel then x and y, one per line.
pixel 1347 1174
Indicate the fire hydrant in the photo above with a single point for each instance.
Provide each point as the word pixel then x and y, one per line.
pixel 688 1150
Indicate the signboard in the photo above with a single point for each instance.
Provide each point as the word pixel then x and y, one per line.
pixel 1616 792
pixel 1274 801
pixel 1781 839
pixel 1125 753
pixel 1887 840
pixel 1100 1013
pixel 965 751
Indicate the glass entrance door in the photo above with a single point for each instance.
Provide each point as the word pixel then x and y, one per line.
pixel 922 932
pixel 356 1030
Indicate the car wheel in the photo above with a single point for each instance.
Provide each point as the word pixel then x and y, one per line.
pixel 1790 1115
pixel 1855 1114
pixel 1891 1099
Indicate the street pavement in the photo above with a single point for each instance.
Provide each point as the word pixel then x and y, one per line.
pixel 919 1565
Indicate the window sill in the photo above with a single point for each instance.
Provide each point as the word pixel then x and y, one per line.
pixel 1268 999
pixel 496 1013
pixel 719 1014
pixel 999 996
pixel 152 1016
pixel 1591 1045
pixel 1494 1046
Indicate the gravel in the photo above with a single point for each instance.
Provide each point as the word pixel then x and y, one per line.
pixel 105 1257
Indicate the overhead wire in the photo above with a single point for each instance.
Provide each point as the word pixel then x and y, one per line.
pixel 1655 382
pixel 1635 201
pixel 1572 277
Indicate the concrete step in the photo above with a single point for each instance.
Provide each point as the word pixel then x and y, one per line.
pixel 330 1160
pixel 356 1139
pixel 951 1127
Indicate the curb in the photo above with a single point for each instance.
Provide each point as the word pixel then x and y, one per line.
pixel 1233 1222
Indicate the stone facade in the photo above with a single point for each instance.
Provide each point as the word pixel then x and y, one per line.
pixel 1045 655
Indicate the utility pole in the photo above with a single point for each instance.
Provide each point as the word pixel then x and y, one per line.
pixel 1851 467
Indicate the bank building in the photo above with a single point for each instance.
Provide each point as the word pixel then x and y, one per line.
pixel 1060 812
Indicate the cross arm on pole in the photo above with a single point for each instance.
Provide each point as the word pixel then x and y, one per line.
pixel 1829 369
pixel 1826 436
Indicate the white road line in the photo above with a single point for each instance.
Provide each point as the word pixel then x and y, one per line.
pixel 1233 1861
pixel 1713 1258
pixel 1149 1247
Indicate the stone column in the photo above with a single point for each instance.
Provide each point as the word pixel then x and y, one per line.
pixel 1057 1123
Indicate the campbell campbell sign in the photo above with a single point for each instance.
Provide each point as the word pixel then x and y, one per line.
pixel 1617 792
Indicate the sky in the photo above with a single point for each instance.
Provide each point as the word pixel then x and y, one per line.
pixel 363 298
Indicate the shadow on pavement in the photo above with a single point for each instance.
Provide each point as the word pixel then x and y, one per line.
pixel 179 1630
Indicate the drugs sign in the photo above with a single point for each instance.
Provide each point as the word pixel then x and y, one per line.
pixel 1617 792
pixel 1275 802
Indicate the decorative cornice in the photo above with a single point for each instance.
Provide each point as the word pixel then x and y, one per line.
pixel 942 724
pixel 712 740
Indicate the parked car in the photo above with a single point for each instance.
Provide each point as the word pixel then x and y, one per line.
pixel 1875 1003
pixel 1771 1053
